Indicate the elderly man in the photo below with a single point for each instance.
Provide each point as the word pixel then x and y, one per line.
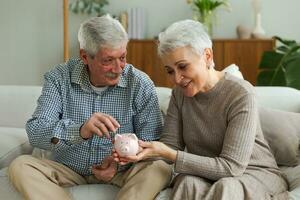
pixel 84 102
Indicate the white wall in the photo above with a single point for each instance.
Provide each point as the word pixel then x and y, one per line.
pixel 31 34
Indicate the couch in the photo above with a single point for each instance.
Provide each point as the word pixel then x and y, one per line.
pixel 18 102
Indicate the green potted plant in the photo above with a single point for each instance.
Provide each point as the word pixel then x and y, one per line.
pixel 204 11
pixel 281 67
pixel 88 6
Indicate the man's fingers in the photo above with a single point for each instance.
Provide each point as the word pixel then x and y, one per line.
pixel 114 121
pixel 94 169
pixel 97 131
pixel 110 122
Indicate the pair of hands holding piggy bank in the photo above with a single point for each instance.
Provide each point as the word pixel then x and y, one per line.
pixel 127 148
pixel 124 145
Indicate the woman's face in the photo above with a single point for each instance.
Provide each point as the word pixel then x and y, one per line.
pixel 188 70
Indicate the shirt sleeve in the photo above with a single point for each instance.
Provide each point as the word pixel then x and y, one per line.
pixel 238 144
pixel 147 120
pixel 46 122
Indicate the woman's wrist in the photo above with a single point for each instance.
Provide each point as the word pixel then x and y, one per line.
pixel 170 154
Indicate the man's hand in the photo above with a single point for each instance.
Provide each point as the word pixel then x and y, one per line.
pixel 99 124
pixel 106 171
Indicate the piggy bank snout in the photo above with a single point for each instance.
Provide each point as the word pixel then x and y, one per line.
pixel 124 149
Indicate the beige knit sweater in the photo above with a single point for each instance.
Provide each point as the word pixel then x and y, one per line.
pixel 220 130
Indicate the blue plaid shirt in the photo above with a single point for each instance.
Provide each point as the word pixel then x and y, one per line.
pixel 68 100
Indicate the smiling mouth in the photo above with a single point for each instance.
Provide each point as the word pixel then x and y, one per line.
pixel 184 85
pixel 112 75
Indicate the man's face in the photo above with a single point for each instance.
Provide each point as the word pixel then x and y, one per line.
pixel 106 66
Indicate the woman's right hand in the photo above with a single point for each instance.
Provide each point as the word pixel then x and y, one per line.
pixel 151 150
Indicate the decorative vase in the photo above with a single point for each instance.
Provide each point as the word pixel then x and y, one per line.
pixel 243 32
pixel 258 31
pixel 206 18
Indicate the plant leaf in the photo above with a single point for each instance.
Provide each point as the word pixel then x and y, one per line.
pixel 281 67
pixel 265 78
pixel 293 74
pixel 283 49
pixel 286 42
pixel 88 6
pixel 291 58
pixel 270 60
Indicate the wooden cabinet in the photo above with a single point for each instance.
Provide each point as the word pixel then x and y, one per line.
pixel 244 53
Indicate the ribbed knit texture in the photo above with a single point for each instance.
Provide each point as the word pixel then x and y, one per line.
pixel 220 130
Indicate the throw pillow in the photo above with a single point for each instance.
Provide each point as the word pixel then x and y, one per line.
pixel 234 70
pixel 15 144
pixel 281 129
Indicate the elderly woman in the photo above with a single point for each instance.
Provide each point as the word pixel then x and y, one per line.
pixel 212 132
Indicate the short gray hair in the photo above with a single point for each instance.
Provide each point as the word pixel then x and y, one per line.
pixel 182 34
pixel 98 32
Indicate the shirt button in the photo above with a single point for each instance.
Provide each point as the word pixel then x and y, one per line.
pixel 98 97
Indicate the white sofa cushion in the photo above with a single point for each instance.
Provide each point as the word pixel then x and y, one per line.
pixel 17 104
pixel 164 95
pixel 94 191
pixel 15 143
pixel 7 191
pixel 281 129
pixel 282 98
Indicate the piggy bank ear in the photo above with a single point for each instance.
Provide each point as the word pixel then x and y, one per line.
pixel 118 137
pixel 133 136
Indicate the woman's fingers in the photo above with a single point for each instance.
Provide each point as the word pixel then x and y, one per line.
pixel 145 144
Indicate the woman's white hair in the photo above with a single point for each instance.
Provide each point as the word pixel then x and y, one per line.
pixel 98 32
pixel 185 33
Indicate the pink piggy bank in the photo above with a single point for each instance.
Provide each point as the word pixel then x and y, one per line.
pixel 126 144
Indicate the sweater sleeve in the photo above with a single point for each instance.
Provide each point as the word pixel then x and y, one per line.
pixel 172 133
pixel 238 143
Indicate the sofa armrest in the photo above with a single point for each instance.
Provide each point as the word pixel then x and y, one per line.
pixel 14 142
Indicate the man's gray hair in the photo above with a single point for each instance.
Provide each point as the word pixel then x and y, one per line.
pixel 98 32
pixel 185 33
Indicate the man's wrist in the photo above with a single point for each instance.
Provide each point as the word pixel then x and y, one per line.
pixel 84 138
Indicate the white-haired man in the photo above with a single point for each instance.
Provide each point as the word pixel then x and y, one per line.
pixel 83 103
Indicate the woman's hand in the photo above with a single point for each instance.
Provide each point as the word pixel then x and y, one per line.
pixel 150 150
pixel 122 160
